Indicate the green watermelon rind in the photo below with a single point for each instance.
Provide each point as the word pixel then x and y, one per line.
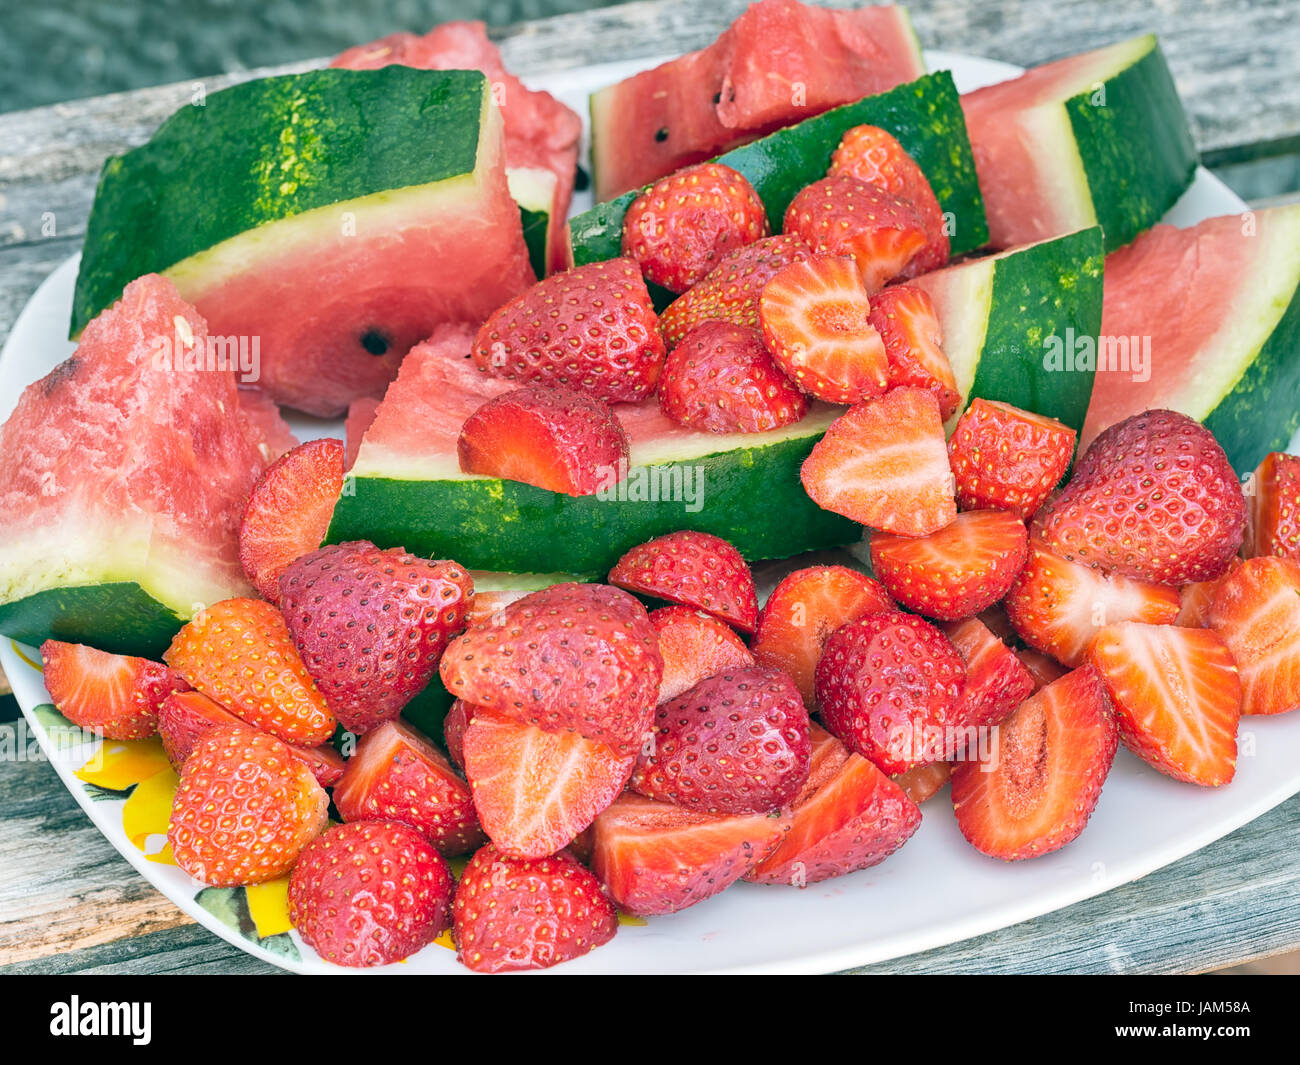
pixel 116 616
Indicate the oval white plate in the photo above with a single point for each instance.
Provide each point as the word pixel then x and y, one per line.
pixel 936 890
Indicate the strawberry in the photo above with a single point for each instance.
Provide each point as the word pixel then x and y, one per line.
pixel 239 653
pixel 1058 607
pixel 454 725
pixel 1256 611
pixel 694 646
pixel 802 612
pixel 244 809
pixel 534 790
pixel 872 156
pixel 996 680
pixel 693 569
pixel 889 686
pixel 289 511
pixel 548 436
pixel 370 894
pixel 592 328
pixel 883 464
pixel 922 783
pixel 656 858
pixel 1176 695
pixel 816 323
pixel 848 816
pixel 1043 668
pixel 731 291
pixel 721 379
pixel 325 763
pixel 372 625
pixel 1006 458
pixel 528 913
pixel 572 656
pixel 954 573
pixel 395 774
pixel 1197 597
pixel 1154 498
pixel 680 227
pixel 1273 525
pixel 735 743
pixel 118 696
pixel 905 318
pixel 843 216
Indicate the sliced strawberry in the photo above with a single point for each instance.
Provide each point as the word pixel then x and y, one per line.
pixel 1273 525
pixel 693 569
pixel 551 437
pixel 116 695
pixel 1177 697
pixel 884 464
pixel 1197 598
pixel 454 725
pixel 534 790
pixel 816 321
pixel 965 567
pixel 694 646
pixel 1043 668
pixel 996 680
pixel 289 511
pixel 923 782
pixel 655 858
pixel 1257 613
pixel 325 763
pixel 1053 756
pixel 802 612
pixel 904 317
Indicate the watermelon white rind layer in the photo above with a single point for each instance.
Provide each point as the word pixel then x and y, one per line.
pixel 533 189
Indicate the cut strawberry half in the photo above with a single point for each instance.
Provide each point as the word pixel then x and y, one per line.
pixel 923 782
pixel 694 646
pixel 1197 597
pixel 1043 668
pixel 692 569
pixel 1257 613
pixel 1273 512
pixel 116 695
pixel 816 321
pixel 454 724
pixel 996 680
pixel 1053 756
pixel 906 321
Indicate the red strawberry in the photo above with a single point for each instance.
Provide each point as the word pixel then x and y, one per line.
pixel 996 680
pixel 889 686
pixel 1257 613
pixel 1058 606
pixel 874 157
pixel 802 612
pixel 816 321
pixel 572 656
pixel 1197 597
pixel 1053 756
pixel 694 646
pixel 548 436
pixel 1273 526
pixel 395 774
pixel 883 464
pixel 1155 498
pixel 370 893
pixel 680 227
pixel 1007 458
pixel 239 653
pixel 244 809
pixel 372 625
pixel 922 783
pixel 325 763
pixel 694 569
pixel 534 790
pixel 454 725
pixel 731 291
pixel 289 511
pixel 117 695
pixel 843 216
pixel 963 568
pixel 721 379
pixel 848 816
pixel 1043 668
pixel 593 329
pixel 906 321
pixel 519 913
pixel 656 858
pixel 1177 696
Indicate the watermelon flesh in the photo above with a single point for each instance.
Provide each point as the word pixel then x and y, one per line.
pixel 778 63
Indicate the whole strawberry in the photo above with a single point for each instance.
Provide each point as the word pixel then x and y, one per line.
pixel 372 625
pixel 694 569
pixel 120 695
pixel 370 893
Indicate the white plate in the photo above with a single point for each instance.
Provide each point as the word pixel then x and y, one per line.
pixel 936 890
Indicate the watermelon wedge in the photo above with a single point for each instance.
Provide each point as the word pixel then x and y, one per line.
pixel 1206 321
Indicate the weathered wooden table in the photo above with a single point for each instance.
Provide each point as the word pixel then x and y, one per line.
pixel 69 903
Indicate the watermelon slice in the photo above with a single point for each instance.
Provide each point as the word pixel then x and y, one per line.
pixel 1206 321
pixel 335 217
pixel 778 63
pixel 1095 139
pixel 123 474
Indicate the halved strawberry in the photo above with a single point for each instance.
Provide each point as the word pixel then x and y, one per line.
pixel 656 858
pixel 534 790
pixel 1257 613
pixel 1273 512
pixel 802 612
pixel 965 567
pixel 117 695
pixel 552 437
pixel 694 646
pixel 1043 668
pixel 884 464
pixel 904 317
pixel 816 321
pixel 1053 756
pixel 1177 696
pixel 289 511
pixel 996 680
pixel 1197 598
pixel 922 783
pixel 454 724
pixel 693 569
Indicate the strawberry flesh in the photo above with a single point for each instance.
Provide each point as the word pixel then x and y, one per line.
pixel 996 680
pixel 1273 527
pixel 694 646
pixel 1256 611
pixel 117 695
pixel 905 318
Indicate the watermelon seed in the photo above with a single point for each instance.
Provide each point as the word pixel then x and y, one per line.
pixel 374 342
